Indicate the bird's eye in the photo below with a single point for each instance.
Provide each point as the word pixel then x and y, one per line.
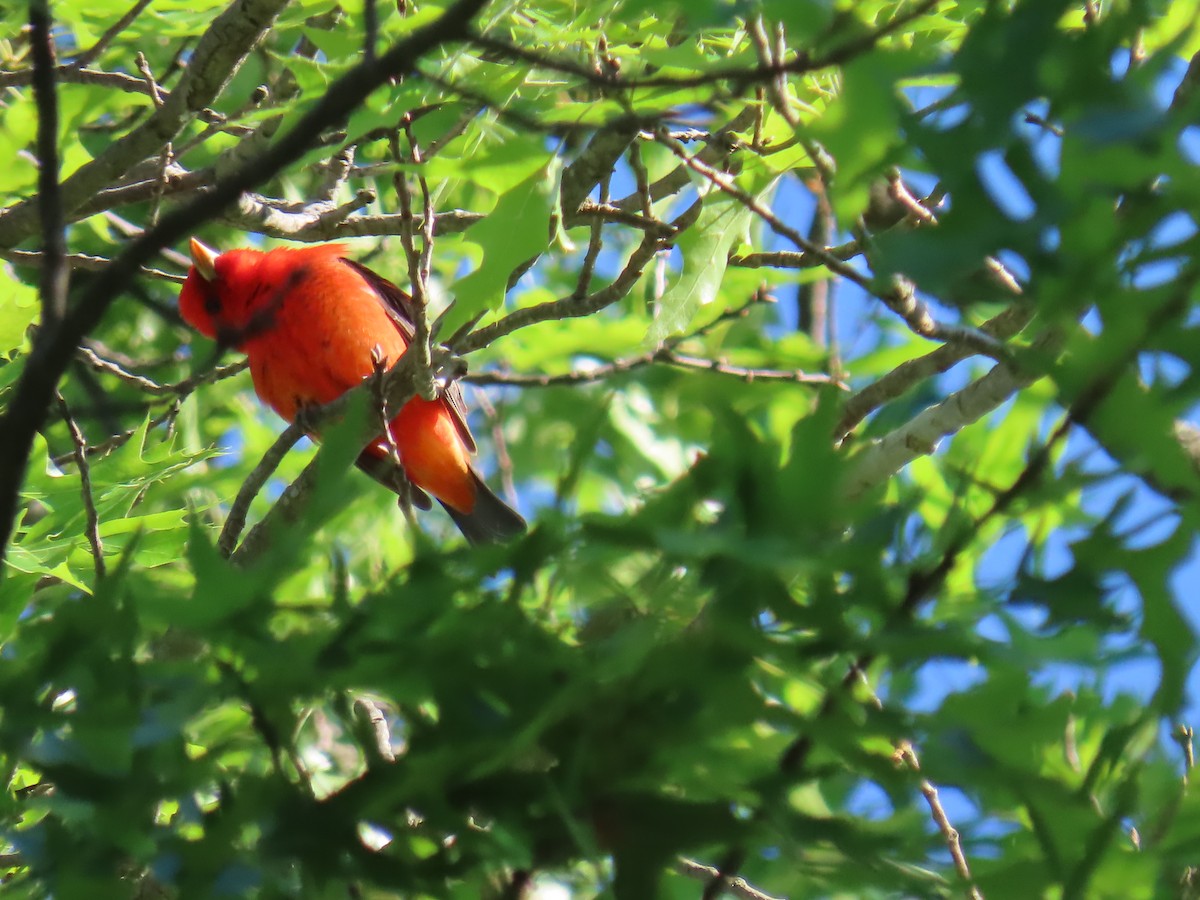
pixel 212 303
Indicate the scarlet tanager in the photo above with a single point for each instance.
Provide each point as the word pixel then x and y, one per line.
pixel 310 320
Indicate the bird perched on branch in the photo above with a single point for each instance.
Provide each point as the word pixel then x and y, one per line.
pixel 314 325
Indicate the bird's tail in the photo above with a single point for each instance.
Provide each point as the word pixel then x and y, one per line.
pixel 491 521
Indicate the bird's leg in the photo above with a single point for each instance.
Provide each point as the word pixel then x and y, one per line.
pixel 448 367
pixel 307 415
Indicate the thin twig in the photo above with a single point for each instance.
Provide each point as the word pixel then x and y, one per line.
pixel 737 886
pixel 642 178
pixel 143 67
pixel 69 74
pixel 87 57
pixel 908 374
pixel 168 156
pixel 80 261
pixel 235 520
pixel 776 86
pixel 899 296
pixel 119 440
pixel 397 476
pixel 595 243
pixel 504 464
pixel 92 528
pixel 567 307
pixel 1184 735
pixel 664 356
pixel 949 832
pixel 609 78
pixel 150 386
pixel 418 261
pixel 667 354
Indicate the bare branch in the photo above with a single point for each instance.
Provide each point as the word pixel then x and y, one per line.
pixel 418 262
pixel 1184 734
pixel 567 307
pixel 318 220
pixel 583 283
pixel 152 88
pixel 69 74
pixel 790 259
pixel 178 389
pixel 900 296
pixel 593 165
pixel 119 440
pixel 920 436
pixel 719 145
pixel 609 78
pixel 235 520
pixel 93 53
pixel 642 177
pixel 371 714
pixel 736 886
pixel 80 261
pixel 215 60
pixel 172 180
pixel 662 355
pixel 908 374
pixel 92 529
pixel 948 831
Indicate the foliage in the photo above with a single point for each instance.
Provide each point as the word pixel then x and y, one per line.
pixel 759 623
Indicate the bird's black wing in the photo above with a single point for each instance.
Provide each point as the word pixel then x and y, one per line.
pixel 400 310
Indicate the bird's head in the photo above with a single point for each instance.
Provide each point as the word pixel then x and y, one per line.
pixel 212 297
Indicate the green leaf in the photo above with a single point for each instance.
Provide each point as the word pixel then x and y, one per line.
pixel 17 312
pixel 705 246
pixel 517 229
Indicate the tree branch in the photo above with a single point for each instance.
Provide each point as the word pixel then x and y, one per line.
pixel 566 307
pixel 606 77
pixel 92 528
pixel 949 833
pixel 235 519
pixel 93 53
pixel 920 436
pixel 737 886
pixel 908 374
pixel 214 62
pixel 661 355
pixel 53 281
pixel 899 296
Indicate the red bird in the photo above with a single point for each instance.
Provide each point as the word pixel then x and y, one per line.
pixel 309 320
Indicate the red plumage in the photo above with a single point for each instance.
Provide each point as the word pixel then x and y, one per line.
pixel 309 320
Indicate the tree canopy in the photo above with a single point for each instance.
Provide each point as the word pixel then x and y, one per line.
pixel 839 354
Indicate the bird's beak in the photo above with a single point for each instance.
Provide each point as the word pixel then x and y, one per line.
pixel 204 259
